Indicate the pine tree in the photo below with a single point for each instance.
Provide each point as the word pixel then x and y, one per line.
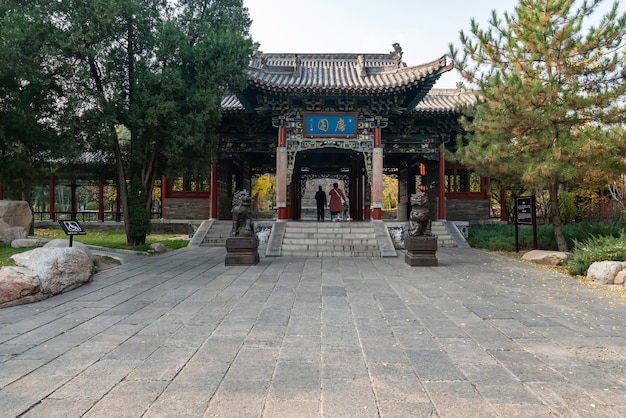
pixel 550 96
pixel 157 68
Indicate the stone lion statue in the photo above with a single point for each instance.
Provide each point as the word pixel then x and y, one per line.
pixel 242 213
pixel 419 218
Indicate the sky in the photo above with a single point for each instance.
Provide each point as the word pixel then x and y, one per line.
pixel 423 28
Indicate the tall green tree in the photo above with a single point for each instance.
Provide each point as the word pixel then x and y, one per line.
pixel 157 68
pixel 550 96
pixel 27 144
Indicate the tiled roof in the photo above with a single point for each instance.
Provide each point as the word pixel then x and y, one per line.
pixel 436 101
pixel 353 73
pixel 445 101
pixel 231 104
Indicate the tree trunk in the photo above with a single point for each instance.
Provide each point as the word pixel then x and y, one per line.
pixel 139 218
pixel 121 182
pixel 555 218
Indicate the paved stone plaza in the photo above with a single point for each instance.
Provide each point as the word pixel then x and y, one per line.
pixel 182 335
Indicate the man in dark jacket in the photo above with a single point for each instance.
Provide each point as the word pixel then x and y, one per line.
pixel 320 198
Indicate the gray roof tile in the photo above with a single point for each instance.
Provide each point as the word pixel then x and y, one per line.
pixel 355 73
pixel 436 101
pixel 445 101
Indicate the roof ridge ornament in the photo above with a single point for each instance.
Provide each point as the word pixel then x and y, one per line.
pixel 396 55
pixel 297 65
pixel 360 65
pixel 258 55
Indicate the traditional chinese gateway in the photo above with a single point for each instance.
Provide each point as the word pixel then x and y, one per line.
pixel 351 117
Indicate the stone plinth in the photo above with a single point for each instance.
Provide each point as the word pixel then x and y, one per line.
pixel 420 251
pixel 242 251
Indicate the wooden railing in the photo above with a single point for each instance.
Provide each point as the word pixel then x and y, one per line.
pixel 85 216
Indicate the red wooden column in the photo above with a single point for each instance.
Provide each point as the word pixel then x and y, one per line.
pixel 281 174
pixel 377 176
pixel 213 190
pixel 441 206
pixel 51 197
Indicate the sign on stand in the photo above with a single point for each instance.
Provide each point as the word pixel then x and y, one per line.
pixel 71 227
pixel 525 214
pixel 525 210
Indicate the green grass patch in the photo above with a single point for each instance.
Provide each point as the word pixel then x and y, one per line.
pixel 108 239
pixel 7 252
pixel 117 239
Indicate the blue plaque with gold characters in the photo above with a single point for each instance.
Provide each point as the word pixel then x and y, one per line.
pixel 338 125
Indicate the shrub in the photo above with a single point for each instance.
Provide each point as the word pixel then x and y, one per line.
pixel 582 231
pixel 91 206
pixel 596 248
pixel 501 237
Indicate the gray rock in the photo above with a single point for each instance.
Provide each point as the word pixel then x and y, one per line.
pixel 604 272
pixel 65 243
pixel 29 242
pixel 16 219
pixel 550 258
pixel 58 269
pixel 158 248
pixel 18 285
pixel 620 278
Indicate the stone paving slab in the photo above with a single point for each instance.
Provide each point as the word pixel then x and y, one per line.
pixel 180 334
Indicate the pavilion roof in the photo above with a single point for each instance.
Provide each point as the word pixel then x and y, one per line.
pixel 347 73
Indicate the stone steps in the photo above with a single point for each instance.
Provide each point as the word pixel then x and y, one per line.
pixel 217 234
pixel 339 239
pixel 330 239
pixel 444 239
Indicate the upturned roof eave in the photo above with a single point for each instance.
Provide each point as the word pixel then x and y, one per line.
pixel 387 81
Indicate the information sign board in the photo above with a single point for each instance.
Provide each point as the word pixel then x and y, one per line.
pixel 525 212
pixel 71 227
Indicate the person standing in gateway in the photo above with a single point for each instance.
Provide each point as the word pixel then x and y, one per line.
pixel 320 199
pixel 337 198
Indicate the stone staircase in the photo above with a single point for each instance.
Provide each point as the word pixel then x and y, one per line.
pixel 330 239
pixel 444 239
pixel 217 233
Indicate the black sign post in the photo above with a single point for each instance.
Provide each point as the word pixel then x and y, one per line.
pixel 71 227
pixel 525 214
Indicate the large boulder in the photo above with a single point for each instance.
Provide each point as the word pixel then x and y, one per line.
pixel 18 285
pixel 604 272
pixel 550 258
pixel 58 269
pixel 16 219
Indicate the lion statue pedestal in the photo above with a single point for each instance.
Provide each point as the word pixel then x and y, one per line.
pixel 242 245
pixel 242 251
pixel 420 243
